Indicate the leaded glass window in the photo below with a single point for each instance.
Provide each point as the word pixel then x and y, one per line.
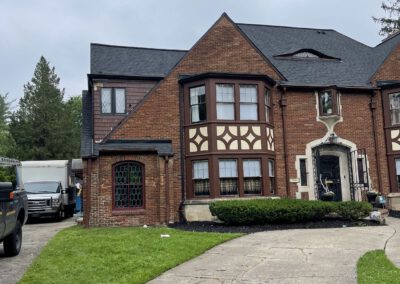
pixel 119 100
pixel 225 102
pixel 113 101
pixel 106 100
pixel 395 108
pixel 248 102
pixel 228 177
pixel 252 176
pixel 128 185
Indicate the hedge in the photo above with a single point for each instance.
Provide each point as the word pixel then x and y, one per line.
pixel 265 211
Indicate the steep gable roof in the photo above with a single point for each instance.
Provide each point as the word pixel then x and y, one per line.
pixel 132 61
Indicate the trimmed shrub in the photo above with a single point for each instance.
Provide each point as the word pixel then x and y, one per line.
pixel 352 210
pixel 263 211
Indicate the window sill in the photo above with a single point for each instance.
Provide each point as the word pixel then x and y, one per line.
pixel 140 211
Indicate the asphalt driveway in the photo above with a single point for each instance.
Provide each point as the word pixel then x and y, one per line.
pixel 35 236
pixel 289 256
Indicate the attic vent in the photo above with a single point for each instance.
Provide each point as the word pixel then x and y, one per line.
pixel 306 53
pixel 321 32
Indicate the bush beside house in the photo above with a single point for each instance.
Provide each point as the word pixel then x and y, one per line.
pixel 265 211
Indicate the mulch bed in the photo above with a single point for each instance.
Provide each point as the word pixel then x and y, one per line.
pixel 222 228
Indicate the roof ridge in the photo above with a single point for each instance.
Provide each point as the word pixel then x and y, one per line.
pixel 288 27
pixel 388 38
pixel 137 47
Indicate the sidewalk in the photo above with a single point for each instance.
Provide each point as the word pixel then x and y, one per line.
pixel 392 249
pixel 288 256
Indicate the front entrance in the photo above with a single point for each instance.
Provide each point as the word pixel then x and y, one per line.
pixel 330 176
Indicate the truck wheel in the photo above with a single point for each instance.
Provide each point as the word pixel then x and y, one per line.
pixel 60 214
pixel 12 243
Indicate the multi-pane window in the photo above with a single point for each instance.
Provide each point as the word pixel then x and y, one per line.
pixel 252 176
pixel 267 102
pixel 398 173
pixel 225 102
pixel 303 172
pixel 113 101
pixel 128 185
pixel 326 103
pixel 228 177
pixel 395 108
pixel 201 183
pixel 248 102
pixel 271 174
pixel 198 104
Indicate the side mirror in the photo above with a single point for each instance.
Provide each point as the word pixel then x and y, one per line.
pixel 6 191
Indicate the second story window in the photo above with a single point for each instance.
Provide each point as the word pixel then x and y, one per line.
pixel 248 103
pixel 225 102
pixel 198 104
pixel 113 101
pixel 326 103
pixel 267 102
pixel 394 100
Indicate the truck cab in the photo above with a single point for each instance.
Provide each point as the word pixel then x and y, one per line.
pixel 13 207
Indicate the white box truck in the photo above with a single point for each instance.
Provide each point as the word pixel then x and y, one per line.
pixel 47 185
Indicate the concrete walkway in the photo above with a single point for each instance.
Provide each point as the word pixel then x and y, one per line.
pixel 290 256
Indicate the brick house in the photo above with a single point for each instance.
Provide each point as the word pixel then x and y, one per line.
pixel 250 111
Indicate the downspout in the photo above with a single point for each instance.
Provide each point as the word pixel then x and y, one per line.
pixel 283 104
pixel 166 188
pixel 86 194
pixel 377 154
pixel 182 156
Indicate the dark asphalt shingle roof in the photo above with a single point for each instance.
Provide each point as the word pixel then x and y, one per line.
pixel 132 61
pixel 357 64
pixel 87 125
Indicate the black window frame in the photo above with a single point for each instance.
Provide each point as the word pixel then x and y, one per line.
pixel 303 172
pixel 113 101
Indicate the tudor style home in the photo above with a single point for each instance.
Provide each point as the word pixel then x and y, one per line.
pixel 250 111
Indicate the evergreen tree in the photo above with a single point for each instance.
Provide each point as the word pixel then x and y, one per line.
pixel 390 24
pixel 39 127
pixel 7 143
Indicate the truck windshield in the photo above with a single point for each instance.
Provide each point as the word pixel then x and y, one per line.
pixel 42 187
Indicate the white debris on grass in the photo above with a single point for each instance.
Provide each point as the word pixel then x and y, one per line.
pixel 165 236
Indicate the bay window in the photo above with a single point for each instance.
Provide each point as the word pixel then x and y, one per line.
pixel 228 177
pixel 201 183
pixel 394 100
pixel 267 103
pixel 225 100
pixel 198 104
pixel 271 174
pixel 248 102
pixel 252 176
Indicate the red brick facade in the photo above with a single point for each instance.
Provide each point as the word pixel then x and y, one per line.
pixel 223 49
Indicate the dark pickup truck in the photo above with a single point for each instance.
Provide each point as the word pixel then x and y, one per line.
pixel 13 207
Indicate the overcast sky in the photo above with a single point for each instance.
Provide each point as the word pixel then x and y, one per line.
pixel 62 30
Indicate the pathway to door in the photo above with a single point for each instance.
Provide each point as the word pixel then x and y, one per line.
pixel 290 256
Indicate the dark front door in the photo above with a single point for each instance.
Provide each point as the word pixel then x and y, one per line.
pixel 329 171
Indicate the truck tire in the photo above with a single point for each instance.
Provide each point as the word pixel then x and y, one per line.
pixel 12 243
pixel 60 214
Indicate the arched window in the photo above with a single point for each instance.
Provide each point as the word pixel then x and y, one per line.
pixel 128 186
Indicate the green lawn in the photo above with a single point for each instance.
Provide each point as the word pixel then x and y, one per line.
pixel 374 267
pixel 116 255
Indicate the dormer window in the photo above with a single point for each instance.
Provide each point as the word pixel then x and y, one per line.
pixel 113 101
pixel 306 53
pixel 327 101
